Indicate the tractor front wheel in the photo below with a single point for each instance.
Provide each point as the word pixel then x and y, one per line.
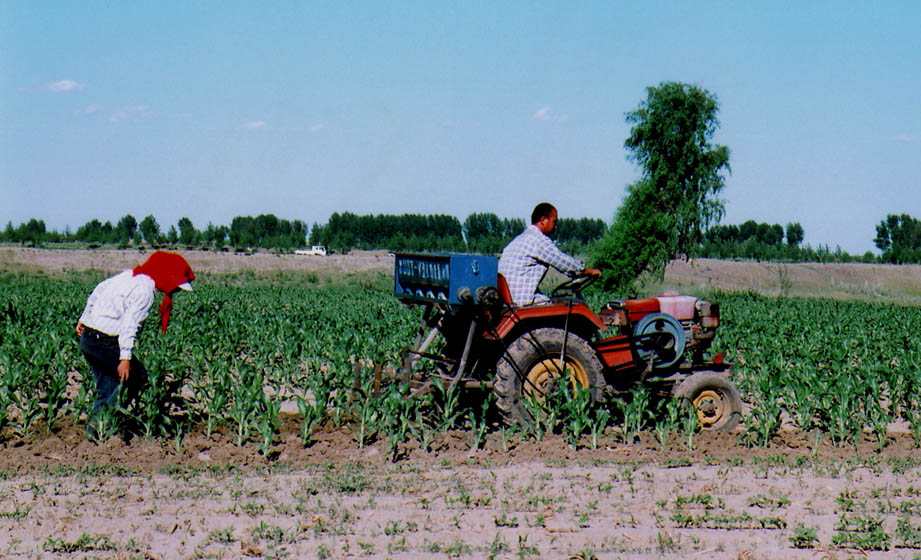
pixel 531 366
pixel 716 399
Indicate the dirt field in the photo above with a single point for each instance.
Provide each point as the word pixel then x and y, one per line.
pixel 63 497
pixel 57 260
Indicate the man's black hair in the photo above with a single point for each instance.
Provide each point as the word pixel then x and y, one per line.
pixel 542 210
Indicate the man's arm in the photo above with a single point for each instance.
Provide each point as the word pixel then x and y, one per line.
pixel 547 252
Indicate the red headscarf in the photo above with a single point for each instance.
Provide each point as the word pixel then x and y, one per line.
pixel 169 272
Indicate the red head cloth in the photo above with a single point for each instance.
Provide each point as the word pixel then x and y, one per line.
pixel 169 272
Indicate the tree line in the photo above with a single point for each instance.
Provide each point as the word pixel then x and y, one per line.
pixel 484 232
pixel 768 242
pixel 265 231
pixel 480 232
pixel 898 236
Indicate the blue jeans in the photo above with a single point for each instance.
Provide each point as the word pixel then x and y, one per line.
pixel 102 352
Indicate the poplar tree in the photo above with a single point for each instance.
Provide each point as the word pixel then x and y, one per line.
pixel 666 212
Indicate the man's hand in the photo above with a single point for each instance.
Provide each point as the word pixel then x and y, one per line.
pixel 590 272
pixel 124 369
pixel 79 329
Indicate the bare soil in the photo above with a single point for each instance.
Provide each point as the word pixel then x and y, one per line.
pixel 869 282
pixel 64 497
pixel 53 261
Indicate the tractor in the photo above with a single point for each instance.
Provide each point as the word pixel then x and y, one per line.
pixel 473 336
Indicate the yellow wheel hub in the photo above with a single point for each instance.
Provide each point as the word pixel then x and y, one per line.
pixel 541 377
pixel 711 409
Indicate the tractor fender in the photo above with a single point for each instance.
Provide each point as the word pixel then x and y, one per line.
pixel 581 318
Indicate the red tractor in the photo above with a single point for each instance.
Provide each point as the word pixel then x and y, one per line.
pixel 485 341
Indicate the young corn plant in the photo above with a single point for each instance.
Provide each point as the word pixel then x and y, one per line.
pixel 247 396
pixel 107 420
pixel 669 422
pixel 268 423
pixel 575 406
pixel 398 413
pixel 544 416
pixel 369 420
pixel 447 405
pixel 54 393
pixel 689 423
pixel 598 424
pixel 24 396
pixel 764 420
pixel 878 416
pixel 803 385
pixel 478 424
pixel 634 411
pixel 422 431
pixel 312 411
pixel 846 417
pixel 216 390
pixel 151 409
pixel 6 398
pixel 912 413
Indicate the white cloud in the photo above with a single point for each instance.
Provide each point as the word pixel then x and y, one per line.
pixel 545 114
pixel 130 113
pixel 318 127
pixel 90 109
pixel 255 124
pixel 906 137
pixel 65 86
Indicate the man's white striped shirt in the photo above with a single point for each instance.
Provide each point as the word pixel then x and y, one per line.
pixel 118 306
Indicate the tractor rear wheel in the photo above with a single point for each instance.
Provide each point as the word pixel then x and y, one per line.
pixel 531 366
pixel 716 399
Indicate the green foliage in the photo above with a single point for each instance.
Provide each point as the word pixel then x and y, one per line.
pixel 765 242
pixel 665 213
pixel 837 366
pixel 483 233
pixel 266 230
pixel 862 533
pixel 29 233
pixel 235 351
pixel 899 238
pixel 804 537
pixel 488 234
pixel 406 232
pixel 795 234
pixel 639 240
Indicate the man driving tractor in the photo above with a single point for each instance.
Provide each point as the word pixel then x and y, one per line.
pixel 525 260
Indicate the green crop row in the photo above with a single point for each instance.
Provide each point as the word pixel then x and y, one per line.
pixel 235 352
pixel 841 367
pixel 231 356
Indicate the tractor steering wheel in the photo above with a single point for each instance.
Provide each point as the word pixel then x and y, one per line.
pixel 574 286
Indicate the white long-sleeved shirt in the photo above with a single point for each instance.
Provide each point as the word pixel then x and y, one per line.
pixel 118 306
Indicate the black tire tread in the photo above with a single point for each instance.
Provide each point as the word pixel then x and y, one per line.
pixel 524 352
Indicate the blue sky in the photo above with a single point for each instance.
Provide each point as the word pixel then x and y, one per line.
pixel 212 110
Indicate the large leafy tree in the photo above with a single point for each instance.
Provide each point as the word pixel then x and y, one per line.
pixel 126 228
pixel 187 231
pixel 899 238
pixel 795 233
pixel 150 228
pixel 667 210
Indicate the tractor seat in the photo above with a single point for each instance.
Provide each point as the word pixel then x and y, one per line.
pixel 504 292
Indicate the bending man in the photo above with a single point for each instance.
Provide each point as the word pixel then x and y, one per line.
pixel 109 324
